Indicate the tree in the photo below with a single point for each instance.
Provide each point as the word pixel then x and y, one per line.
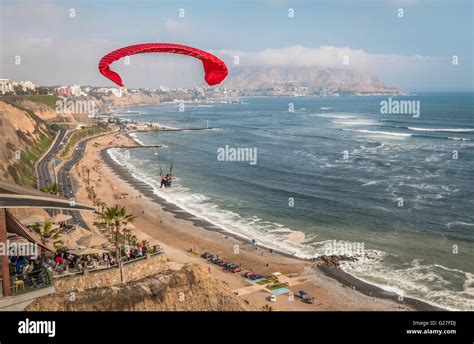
pixel 267 308
pixel 127 233
pixel 47 235
pixel 116 217
pixel 52 189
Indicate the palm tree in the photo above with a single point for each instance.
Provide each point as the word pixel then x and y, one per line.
pixel 102 205
pixel 117 217
pixel 127 233
pixel 267 308
pixel 47 235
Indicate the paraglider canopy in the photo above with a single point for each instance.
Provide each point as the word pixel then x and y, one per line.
pixel 214 68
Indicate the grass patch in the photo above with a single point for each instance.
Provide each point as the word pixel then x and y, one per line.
pixel 25 167
pixel 48 100
pixel 78 136
pixel 276 286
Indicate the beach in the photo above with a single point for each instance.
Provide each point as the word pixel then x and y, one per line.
pixel 185 237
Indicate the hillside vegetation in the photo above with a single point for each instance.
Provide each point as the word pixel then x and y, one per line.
pixel 24 137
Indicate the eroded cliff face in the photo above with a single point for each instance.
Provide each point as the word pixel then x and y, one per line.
pixel 189 289
pixel 23 132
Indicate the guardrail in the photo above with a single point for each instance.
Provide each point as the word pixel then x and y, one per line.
pixel 107 268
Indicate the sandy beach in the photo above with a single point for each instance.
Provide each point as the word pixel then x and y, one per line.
pixel 184 237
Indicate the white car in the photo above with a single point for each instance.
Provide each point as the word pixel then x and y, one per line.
pixel 272 298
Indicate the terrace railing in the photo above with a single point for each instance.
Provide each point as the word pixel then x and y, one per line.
pixel 33 280
pixel 158 252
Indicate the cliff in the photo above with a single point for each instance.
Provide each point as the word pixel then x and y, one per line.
pixel 189 289
pixel 24 137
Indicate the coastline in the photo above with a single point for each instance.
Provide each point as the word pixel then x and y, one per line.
pixel 347 281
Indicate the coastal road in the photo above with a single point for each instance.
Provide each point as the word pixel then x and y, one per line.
pixel 67 189
pixel 46 174
pixel 44 166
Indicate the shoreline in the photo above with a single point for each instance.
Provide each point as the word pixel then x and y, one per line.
pixel 337 274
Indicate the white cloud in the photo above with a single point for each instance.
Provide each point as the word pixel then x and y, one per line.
pixel 405 71
pixel 326 57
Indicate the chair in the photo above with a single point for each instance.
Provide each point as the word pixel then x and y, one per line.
pixel 34 283
pixel 18 283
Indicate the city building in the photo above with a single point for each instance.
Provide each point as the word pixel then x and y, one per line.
pixel 64 91
pixel 76 90
pixel 27 86
pixel 6 86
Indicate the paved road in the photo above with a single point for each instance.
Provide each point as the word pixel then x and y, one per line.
pixel 46 176
pixel 28 201
pixel 67 189
pixel 45 171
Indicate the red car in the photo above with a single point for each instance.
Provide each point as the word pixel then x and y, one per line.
pixel 236 269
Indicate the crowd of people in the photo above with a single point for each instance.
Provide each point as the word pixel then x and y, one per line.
pixel 67 262
pixel 37 272
pixel 64 262
pixel 28 271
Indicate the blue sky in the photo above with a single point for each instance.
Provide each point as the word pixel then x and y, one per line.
pixel 414 52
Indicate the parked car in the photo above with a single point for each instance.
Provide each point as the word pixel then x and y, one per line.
pixel 223 263
pixel 229 266
pixel 255 277
pixel 217 261
pixel 206 255
pixel 236 269
pixel 306 297
pixel 272 298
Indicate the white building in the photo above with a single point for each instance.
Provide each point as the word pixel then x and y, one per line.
pixel 6 86
pixel 27 85
pixel 119 92
pixel 76 90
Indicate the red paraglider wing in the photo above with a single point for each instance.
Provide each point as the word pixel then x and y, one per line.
pixel 214 68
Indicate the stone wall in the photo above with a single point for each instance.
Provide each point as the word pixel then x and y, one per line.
pixel 108 277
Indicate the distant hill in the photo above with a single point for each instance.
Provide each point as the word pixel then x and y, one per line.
pixel 313 78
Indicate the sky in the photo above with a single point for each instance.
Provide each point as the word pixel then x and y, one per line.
pixel 61 42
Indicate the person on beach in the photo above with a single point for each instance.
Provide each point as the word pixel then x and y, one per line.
pixel 163 180
pixel 168 180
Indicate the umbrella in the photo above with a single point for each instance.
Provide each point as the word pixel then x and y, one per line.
pixel 87 250
pixel 130 225
pixel 71 245
pixel 32 219
pixel 60 218
pixel 92 240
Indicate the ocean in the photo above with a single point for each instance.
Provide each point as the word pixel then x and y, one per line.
pixel 335 168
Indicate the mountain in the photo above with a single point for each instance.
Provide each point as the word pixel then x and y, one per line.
pixel 313 78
